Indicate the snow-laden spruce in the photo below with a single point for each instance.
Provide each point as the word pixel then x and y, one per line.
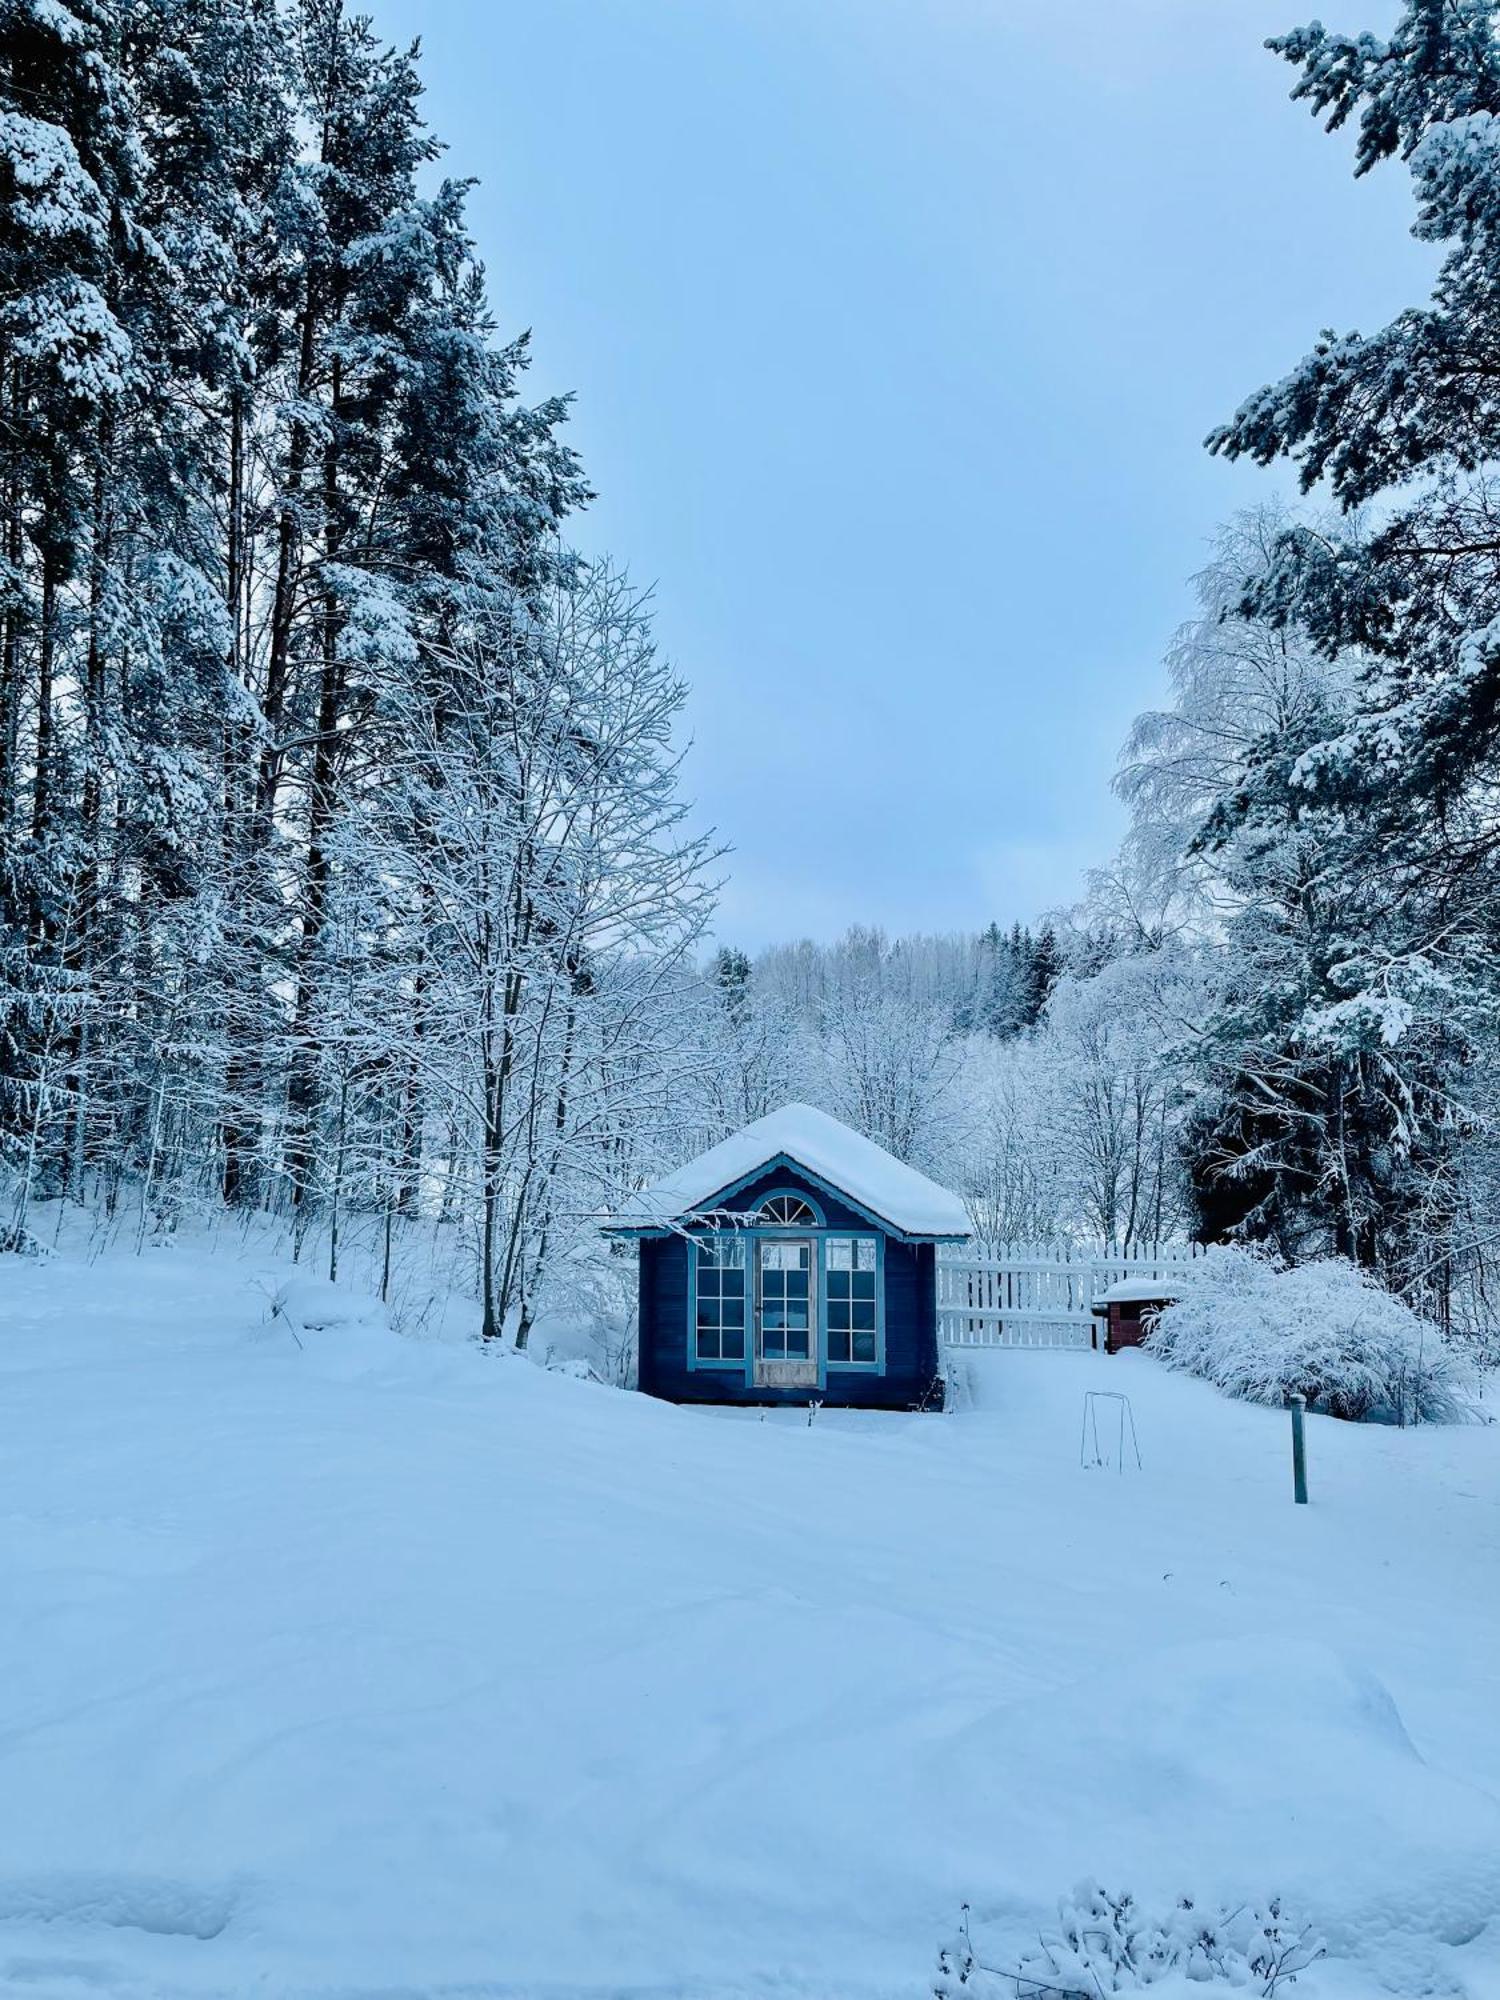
pixel 1326 1331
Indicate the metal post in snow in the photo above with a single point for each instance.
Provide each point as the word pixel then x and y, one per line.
pixel 1299 1452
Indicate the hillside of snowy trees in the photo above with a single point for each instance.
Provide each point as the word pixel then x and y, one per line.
pixel 346 874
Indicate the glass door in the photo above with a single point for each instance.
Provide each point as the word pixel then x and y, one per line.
pixel 786 1313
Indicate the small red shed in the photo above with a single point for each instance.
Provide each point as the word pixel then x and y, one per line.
pixel 1128 1310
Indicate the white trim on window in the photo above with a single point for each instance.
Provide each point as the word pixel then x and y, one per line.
pixel 718 1307
pixel 854 1301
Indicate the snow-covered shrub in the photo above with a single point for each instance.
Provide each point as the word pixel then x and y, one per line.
pixel 16 1241
pixel 1326 1330
pixel 588 1323
pixel 1105 1944
pixel 312 1305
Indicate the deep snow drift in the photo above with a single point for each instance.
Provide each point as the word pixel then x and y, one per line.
pixel 382 1667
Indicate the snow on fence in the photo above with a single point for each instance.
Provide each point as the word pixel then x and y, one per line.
pixel 1039 1295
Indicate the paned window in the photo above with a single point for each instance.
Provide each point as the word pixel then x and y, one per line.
pixel 851 1298
pixel 787 1211
pixel 720 1329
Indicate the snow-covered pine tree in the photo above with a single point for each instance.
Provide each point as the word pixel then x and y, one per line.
pixel 79 278
pixel 1408 417
pixel 1327 1074
pixel 269 491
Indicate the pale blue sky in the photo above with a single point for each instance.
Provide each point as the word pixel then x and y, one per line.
pixel 895 331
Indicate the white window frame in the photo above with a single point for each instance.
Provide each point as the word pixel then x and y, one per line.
pixel 718 1240
pixel 858 1240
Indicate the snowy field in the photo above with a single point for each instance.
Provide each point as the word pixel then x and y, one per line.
pixel 380 1667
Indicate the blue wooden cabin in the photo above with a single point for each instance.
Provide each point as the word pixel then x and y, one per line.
pixel 795 1260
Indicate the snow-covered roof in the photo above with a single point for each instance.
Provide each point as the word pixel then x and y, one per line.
pixel 1129 1290
pixel 833 1153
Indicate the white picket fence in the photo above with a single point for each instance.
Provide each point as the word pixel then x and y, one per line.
pixel 1039 1295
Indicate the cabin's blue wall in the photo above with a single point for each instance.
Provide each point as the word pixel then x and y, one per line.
pixel 911 1351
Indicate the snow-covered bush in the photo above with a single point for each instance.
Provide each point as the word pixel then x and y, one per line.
pixel 1105 1944
pixel 1327 1331
pixel 16 1241
pixel 587 1323
pixel 312 1305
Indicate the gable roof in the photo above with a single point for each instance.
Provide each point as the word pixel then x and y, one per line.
pixel 829 1152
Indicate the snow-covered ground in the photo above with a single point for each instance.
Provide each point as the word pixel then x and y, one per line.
pixel 381 1667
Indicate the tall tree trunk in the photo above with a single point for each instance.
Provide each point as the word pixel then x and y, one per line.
pixel 10 627
pixel 550 1173
pixel 41 785
pixel 96 696
pixel 239 1123
pixel 408 1184
pixel 284 600
pixel 494 1067
pixel 303 1089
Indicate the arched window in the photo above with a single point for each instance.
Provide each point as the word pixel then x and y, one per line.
pixel 787 1211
